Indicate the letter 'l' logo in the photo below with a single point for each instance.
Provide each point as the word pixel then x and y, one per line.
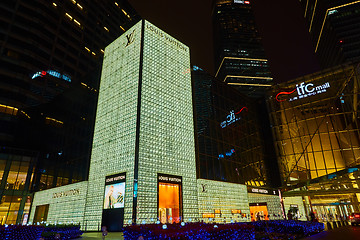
pixel 130 38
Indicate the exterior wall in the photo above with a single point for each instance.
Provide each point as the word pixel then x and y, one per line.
pixel 166 142
pixel 229 136
pixel 144 123
pixel 115 125
pixel 288 201
pixel 316 132
pixel 66 203
pixel 214 195
pixel 273 204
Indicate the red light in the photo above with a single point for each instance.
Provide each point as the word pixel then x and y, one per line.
pixel 247 2
pixel 351 217
pixel 341 41
pixel 43 73
pixel 280 93
pixel 357 216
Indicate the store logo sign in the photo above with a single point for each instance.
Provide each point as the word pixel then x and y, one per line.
pixel 71 192
pixel 130 38
pixel 232 117
pixel 51 73
pixel 203 187
pixel 303 91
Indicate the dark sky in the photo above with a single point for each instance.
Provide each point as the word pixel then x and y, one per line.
pixel 286 41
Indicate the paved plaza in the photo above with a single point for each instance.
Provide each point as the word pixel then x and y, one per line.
pixel 347 232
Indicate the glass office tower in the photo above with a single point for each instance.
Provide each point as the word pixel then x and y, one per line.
pixel 239 55
pixel 229 138
pixel 334 29
pixel 315 123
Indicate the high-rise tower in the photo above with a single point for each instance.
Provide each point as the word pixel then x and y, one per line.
pixel 334 29
pixel 239 55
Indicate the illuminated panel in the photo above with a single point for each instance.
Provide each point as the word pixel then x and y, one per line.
pixel 166 141
pixel 66 203
pixel 298 202
pixel 115 126
pixel 272 201
pixel 222 197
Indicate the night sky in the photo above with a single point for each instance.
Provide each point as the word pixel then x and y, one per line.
pixel 280 22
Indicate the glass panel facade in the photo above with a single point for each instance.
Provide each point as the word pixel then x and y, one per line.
pixel 15 179
pixel 315 123
pixel 230 143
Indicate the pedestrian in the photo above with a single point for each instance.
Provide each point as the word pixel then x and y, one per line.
pixel 104 232
pixel 289 215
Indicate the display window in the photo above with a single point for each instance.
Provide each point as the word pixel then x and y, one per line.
pixel 259 211
pixel 169 200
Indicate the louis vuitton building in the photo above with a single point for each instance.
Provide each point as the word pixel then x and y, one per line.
pixel 143 164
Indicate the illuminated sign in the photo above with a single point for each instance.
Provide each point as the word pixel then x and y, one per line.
pixel 114 191
pixel 71 192
pixel 130 38
pixel 262 191
pixel 232 151
pixel 196 68
pixel 304 90
pixel 168 38
pixel 169 178
pixel 51 73
pixel 231 118
pixel 242 2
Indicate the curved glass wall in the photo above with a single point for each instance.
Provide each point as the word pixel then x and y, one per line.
pixel 315 121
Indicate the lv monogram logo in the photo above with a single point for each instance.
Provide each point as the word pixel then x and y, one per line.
pixel 203 187
pixel 130 38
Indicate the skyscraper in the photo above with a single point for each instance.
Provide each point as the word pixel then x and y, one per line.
pixel 239 55
pixel 229 140
pixel 144 131
pixel 51 55
pixel 334 29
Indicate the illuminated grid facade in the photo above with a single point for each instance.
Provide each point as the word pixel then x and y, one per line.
pixel 273 204
pixel 222 202
pixel 144 123
pixel 66 203
pixel 318 134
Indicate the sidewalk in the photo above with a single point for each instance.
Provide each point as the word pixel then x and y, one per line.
pixel 345 233
pixel 98 236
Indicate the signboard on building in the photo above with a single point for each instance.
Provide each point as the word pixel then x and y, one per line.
pixel 263 191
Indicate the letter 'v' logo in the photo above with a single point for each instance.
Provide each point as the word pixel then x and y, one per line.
pixel 130 38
